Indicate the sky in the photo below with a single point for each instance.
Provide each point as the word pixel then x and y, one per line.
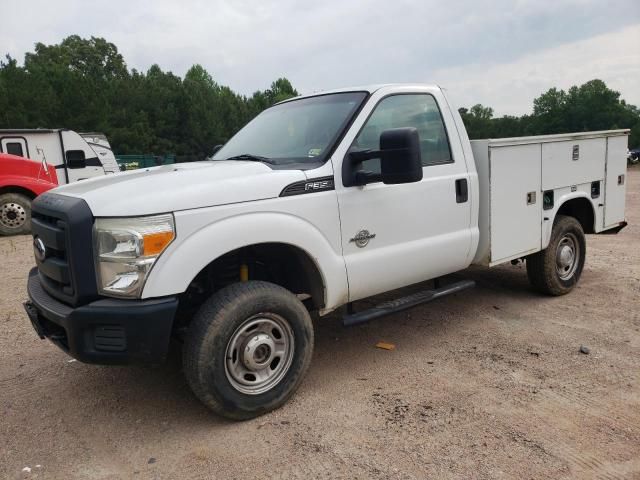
pixel 500 53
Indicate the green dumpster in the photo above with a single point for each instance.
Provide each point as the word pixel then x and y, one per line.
pixel 133 162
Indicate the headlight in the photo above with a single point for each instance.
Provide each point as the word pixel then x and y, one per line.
pixel 126 249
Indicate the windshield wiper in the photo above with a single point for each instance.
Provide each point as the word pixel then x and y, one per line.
pixel 252 158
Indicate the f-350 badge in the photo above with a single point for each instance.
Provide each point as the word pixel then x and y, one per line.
pixel 362 238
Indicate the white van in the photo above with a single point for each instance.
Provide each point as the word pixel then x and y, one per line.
pixel 72 156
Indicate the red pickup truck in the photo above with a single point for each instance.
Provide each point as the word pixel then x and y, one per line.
pixel 21 180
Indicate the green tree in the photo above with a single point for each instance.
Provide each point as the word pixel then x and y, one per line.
pixel 94 58
pixel 477 121
pixel 280 90
pixel 202 127
pixel 550 112
pixel 84 84
pixel 591 106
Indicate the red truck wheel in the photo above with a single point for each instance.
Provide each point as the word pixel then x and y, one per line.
pixel 15 214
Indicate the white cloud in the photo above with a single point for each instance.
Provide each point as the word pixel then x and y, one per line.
pixel 511 87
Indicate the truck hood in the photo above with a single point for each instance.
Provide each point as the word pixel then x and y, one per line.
pixel 181 186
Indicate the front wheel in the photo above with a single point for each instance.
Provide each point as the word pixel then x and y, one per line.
pixel 248 349
pixel 557 269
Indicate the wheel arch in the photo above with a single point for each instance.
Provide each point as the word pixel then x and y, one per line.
pixel 580 208
pixel 16 189
pixel 286 265
pixel 577 205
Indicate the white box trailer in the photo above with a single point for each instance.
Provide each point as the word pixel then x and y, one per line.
pixel 100 144
pixel 72 156
pixel 523 181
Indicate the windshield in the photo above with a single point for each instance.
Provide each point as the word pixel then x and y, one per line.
pixel 295 132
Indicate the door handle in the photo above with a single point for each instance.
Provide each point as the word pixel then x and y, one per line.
pixel 462 190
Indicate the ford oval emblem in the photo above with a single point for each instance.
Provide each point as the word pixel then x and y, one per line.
pixel 39 249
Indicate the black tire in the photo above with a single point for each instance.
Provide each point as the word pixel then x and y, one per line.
pixel 546 269
pixel 213 330
pixel 15 214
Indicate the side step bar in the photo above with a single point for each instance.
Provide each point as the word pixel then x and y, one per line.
pixel 404 303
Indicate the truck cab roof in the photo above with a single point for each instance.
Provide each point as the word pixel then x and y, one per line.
pixel 371 88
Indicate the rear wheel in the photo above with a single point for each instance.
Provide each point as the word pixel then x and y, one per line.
pixel 557 269
pixel 247 349
pixel 15 214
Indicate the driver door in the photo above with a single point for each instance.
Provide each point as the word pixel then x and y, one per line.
pixel 397 235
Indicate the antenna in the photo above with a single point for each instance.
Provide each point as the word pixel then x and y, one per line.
pixel 45 165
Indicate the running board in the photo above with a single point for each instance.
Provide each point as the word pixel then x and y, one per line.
pixel 404 303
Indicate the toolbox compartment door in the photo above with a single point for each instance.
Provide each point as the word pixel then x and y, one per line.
pixel 515 199
pixel 616 181
pixel 573 162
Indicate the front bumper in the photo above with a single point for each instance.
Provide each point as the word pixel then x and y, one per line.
pixel 106 331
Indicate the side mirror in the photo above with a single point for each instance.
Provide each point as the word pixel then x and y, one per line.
pixel 76 159
pixel 400 160
pixel 216 149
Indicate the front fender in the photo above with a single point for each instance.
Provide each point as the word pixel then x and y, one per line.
pixel 196 247
pixel 33 185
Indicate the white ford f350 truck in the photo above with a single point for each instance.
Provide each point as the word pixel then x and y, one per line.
pixel 318 202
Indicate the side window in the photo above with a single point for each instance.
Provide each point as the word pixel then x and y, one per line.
pixel 14 148
pixel 397 111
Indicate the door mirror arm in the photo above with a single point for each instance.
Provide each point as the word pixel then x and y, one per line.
pixel 351 175
pixel 216 149
pixel 363 177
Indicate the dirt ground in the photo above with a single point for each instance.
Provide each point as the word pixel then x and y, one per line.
pixel 489 383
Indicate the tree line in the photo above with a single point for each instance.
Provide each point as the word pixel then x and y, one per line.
pixel 85 85
pixel 590 106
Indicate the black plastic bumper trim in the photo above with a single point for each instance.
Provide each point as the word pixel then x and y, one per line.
pixel 145 325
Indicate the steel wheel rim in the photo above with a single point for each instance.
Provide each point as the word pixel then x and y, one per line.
pixel 12 215
pixel 259 353
pixel 567 256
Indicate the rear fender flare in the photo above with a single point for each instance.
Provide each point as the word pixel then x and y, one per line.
pixel 549 216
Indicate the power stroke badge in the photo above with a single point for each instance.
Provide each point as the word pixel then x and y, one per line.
pixel 362 238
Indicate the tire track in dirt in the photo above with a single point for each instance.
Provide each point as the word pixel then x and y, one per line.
pixel 550 404
pixel 590 406
pixel 320 461
pixel 585 465
pixel 533 399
